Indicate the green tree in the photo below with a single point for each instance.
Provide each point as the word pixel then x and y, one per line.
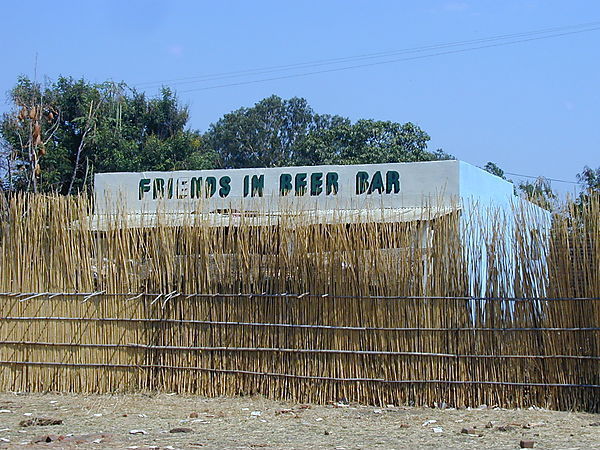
pixel 494 169
pixel 86 128
pixel 367 142
pixel 589 179
pixel 539 192
pixel 277 132
pixel 265 135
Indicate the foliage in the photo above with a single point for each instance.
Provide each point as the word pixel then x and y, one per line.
pixel 88 128
pixel 266 135
pixel 539 192
pixel 84 128
pixel 590 179
pixel 368 142
pixel 494 169
pixel 278 132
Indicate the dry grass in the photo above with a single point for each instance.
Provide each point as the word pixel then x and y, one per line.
pixel 354 342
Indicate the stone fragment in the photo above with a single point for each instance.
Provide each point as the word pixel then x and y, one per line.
pixel 193 415
pixel 533 425
pixel 45 438
pixel 137 432
pixel 85 439
pixel 526 443
pixel 200 421
pixel 471 432
pixel 181 430
pixel 40 421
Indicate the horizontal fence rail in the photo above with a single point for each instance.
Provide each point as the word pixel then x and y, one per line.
pixel 25 296
pixel 300 377
pixel 289 325
pixel 292 350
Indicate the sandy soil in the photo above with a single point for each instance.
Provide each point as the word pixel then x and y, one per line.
pixel 106 421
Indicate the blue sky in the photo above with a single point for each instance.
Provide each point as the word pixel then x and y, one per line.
pixel 532 107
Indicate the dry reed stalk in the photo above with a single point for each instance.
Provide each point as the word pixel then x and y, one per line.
pixel 348 268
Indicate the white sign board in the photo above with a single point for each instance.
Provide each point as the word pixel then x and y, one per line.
pixel 276 189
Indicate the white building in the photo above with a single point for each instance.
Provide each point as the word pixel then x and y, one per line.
pixel 399 192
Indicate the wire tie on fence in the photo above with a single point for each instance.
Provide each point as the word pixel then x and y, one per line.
pixel 303 295
pixel 169 297
pixel 324 295
pixel 56 294
pixel 32 296
pixel 93 294
pixel 134 297
pixel 156 299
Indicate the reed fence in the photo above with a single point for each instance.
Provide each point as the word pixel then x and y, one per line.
pixel 363 311
pixel 316 348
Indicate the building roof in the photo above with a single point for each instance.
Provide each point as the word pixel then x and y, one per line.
pixel 106 222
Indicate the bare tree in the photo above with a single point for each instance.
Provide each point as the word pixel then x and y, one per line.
pixel 35 124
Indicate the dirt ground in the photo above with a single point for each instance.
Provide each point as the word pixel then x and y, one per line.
pixel 146 421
